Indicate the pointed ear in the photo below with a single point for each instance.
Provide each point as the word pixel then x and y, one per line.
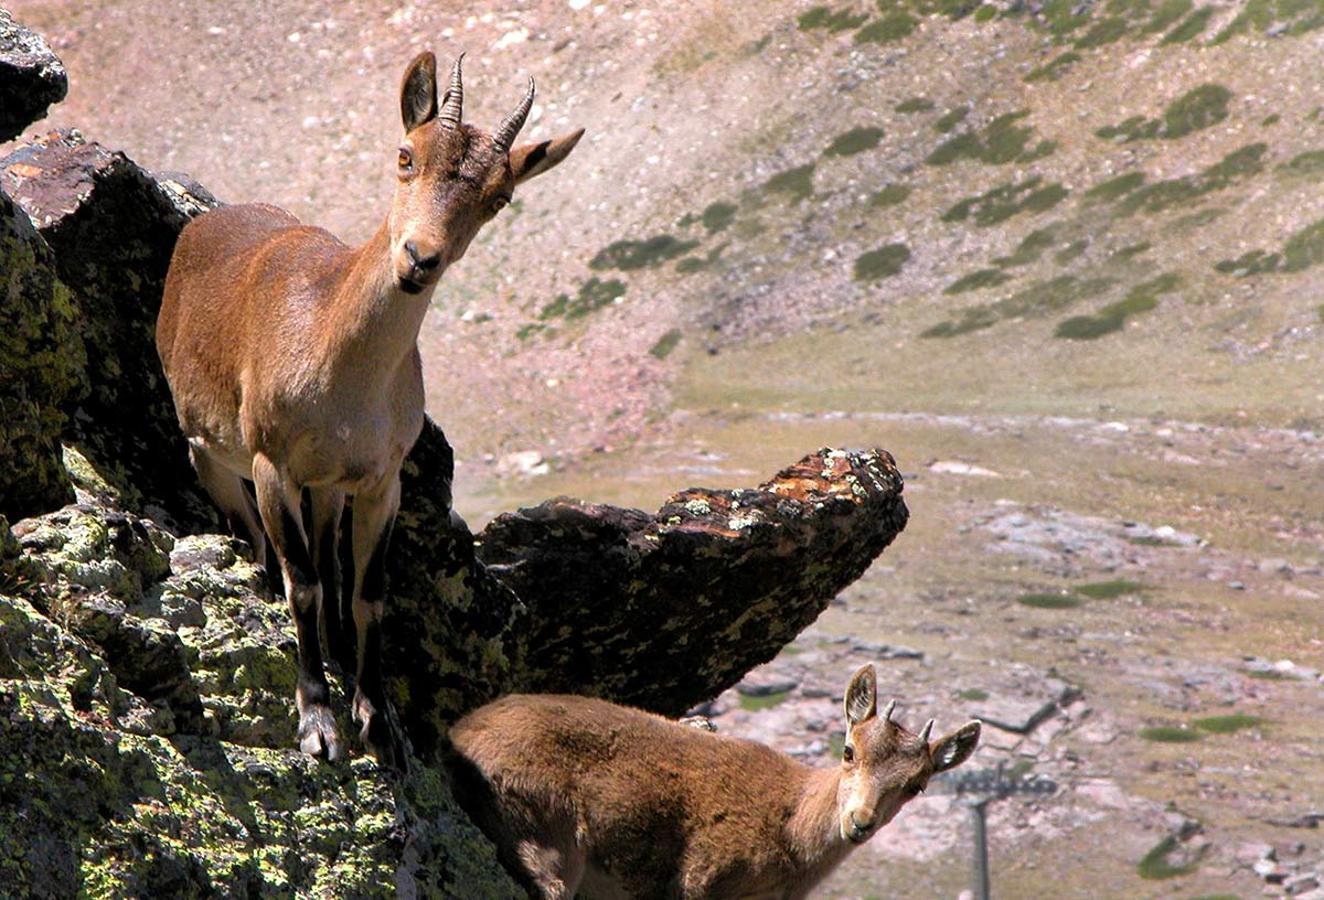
pixel 528 160
pixel 418 94
pixel 862 696
pixel 950 751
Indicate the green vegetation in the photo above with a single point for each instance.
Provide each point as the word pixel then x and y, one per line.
pixel 1031 248
pixel 766 701
pixel 1305 248
pixel 884 262
pixel 1256 262
pixel 1190 27
pixel 628 255
pixel 914 105
pixel 1241 163
pixel 1130 251
pixel 1230 724
pixel 974 694
pixel 1295 17
pixel 857 140
pixel 973 281
pixel 1141 298
pixel 1071 251
pixel 892 27
pixel 665 344
pixel 1001 141
pixel 1001 203
pixel 1103 33
pixel 1199 108
pixel 1154 866
pixel 1270 119
pixel 1309 163
pixel 1114 188
pixel 1108 590
pixel 951 119
pixel 796 183
pixel 1036 301
pixel 592 295
pixel 1170 734
pixel 1049 601
pixel 985 12
pixel 1270 675
pixel 830 20
pixel 526 331
pixel 1168 12
pixel 716 216
pixel 1052 71
pixel 890 195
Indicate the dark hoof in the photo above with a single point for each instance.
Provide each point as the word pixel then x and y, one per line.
pixel 381 733
pixel 317 733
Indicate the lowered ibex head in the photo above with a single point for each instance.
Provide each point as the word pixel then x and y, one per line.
pixel 454 177
pixel 884 765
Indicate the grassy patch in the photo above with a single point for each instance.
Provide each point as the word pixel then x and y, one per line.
pixel 973 281
pixel 974 694
pixel 1102 33
pixel 665 344
pixel 1305 248
pixel 914 105
pixel 1000 142
pixel 830 20
pixel 1309 163
pixel 1055 68
pixel 592 295
pixel 716 216
pixel 884 262
pixel 951 119
pixel 985 12
pixel 1154 866
pixel 1108 590
pixel 1295 17
pixel 524 332
pixel 1036 301
pixel 796 183
pixel 1190 27
pixel 1071 251
pixel 1004 201
pixel 1031 248
pixel 1226 724
pixel 1165 14
pixel 1170 734
pixel 1141 298
pixel 1199 108
pixel 1050 601
pixel 1114 188
pixel 890 195
pixel 1256 262
pixel 767 701
pixel 1240 164
pixel 857 140
pixel 894 26
pixel 645 254
pixel 1270 675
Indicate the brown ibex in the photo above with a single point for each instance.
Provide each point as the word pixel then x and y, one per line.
pixel 583 796
pixel 293 362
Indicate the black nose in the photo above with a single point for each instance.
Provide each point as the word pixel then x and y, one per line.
pixel 421 263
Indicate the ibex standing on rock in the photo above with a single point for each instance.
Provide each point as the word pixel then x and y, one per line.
pixel 293 361
pixel 581 795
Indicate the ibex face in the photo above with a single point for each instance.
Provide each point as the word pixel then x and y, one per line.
pixel 885 766
pixel 453 177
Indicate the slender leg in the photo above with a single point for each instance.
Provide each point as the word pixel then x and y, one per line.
pixel 374 514
pixel 336 627
pixel 227 491
pixel 278 503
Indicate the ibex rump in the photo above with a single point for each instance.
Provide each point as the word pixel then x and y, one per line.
pixel 583 796
pixel 293 362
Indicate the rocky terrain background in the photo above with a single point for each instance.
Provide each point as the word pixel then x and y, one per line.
pixel 1061 258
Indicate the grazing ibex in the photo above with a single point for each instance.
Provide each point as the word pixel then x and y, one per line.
pixel 581 795
pixel 293 361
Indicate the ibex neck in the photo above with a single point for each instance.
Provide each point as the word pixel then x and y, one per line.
pixel 814 830
pixel 372 323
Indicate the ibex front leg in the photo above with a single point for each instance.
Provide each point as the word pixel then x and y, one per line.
pixel 374 515
pixel 278 503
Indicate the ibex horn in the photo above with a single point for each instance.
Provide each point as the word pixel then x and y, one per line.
pixel 505 133
pixel 928 727
pixel 887 713
pixel 453 106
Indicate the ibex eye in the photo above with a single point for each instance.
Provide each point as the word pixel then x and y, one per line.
pixel 848 753
pixel 406 158
pixel 499 204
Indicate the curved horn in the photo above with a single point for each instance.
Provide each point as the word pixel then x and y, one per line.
pixel 928 727
pixel 510 126
pixel 453 106
pixel 887 713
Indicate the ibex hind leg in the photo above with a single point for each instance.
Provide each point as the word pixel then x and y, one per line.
pixel 278 503
pixel 227 492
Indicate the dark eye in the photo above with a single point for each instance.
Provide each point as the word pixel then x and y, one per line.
pixel 406 159
pixel 914 790
pixel 499 204
pixel 848 753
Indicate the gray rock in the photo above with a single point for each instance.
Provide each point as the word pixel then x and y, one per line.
pixel 31 77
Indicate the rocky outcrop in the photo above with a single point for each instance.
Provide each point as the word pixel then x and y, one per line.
pixel 31 77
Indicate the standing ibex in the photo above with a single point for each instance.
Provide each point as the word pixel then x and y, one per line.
pixel 582 795
pixel 293 362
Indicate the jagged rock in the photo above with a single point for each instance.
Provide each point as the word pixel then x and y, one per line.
pixel 41 368
pixel 31 77
pixel 112 228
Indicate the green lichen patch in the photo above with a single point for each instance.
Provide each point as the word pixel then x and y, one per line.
pixel 1156 865
pixel 914 105
pixel 1002 141
pixel 1049 601
pixel 1036 301
pixel 1256 262
pixel 1229 724
pixel 1170 734
pixel 830 20
pixel 628 255
pixel 977 280
pixel 1199 108
pixel 889 195
pixel 1140 299
pixel 717 216
pixel 796 184
pixel 892 27
pixel 591 296
pixel 883 262
pixel 757 703
pixel 1109 590
pixel 1054 69
pixel 1114 188
pixel 1004 201
pixel 665 344
pixel 856 140
pixel 1191 27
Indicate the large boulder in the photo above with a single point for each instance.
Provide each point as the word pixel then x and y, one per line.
pixel 31 77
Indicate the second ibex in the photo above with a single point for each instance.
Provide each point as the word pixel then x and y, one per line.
pixel 293 362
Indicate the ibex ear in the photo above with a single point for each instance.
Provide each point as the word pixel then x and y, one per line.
pixel 418 94
pixel 950 751
pixel 528 160
pixel 862 696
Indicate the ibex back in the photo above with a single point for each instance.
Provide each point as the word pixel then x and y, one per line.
pixel 293 362
pixel 583 796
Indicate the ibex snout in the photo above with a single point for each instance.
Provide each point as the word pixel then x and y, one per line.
pixel 858 824
pixel 420 266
